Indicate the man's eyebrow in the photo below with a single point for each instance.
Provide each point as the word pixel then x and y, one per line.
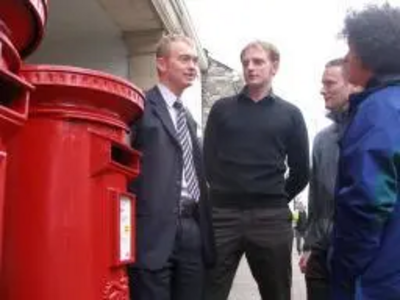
pixel 188 55
pixel 195 57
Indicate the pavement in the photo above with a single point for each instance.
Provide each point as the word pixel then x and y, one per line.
pixel 244 287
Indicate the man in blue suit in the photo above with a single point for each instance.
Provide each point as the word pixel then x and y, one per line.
pixel 174 232
pixel 365 260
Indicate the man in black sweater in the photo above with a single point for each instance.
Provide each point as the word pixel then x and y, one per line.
pixel 250 141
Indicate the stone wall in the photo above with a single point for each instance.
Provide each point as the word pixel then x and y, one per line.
pixel 218 81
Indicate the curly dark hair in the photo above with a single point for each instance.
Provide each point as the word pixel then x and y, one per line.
pixel 374 32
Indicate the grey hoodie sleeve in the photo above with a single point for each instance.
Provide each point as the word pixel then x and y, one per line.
pixel 321 190
pixel 312 194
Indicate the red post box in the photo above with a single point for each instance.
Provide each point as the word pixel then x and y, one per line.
pixel 14 94
pixel 26 20
pixel 69 221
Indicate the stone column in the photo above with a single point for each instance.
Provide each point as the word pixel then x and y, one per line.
pixel 141 47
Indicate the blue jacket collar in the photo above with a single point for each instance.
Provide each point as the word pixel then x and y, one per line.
pixel 374 84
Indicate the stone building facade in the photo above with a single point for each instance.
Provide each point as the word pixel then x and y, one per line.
pixel 218 81
pixel 118 37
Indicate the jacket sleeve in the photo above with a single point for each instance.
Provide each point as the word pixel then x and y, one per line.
pixel 297 157
pixel 366 193
pixel 310 235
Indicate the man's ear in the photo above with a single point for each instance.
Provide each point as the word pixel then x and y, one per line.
pixel 161 64
pixel 275 67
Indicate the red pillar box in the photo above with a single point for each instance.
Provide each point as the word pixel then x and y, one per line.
pixel 69 221
pixel 14 94
pixel 26 20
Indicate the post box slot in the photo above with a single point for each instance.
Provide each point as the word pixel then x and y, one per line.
pixel 14 92
pixel 121 156
pixel 109 154
pixel 8 93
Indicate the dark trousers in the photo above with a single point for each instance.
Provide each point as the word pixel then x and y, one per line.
pixel 182 278
pixel 265 237
pixel 317 276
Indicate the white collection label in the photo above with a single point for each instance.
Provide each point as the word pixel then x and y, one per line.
pixel 125 229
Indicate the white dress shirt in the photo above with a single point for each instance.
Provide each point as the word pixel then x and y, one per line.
pixel 170 98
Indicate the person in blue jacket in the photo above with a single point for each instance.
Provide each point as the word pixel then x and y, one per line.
pixel 365 254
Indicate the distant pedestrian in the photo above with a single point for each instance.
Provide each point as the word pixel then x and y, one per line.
pixel 300 228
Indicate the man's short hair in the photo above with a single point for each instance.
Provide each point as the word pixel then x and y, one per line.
pixel 269 48
pixel 337 62
pixel 374 33
pixel 164 45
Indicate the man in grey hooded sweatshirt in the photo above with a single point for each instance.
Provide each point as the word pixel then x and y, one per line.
pixel 335 91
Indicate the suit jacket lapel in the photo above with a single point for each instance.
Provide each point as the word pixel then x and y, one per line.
pixel 161 111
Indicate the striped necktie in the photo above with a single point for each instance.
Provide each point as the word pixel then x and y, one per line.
pixel 188 165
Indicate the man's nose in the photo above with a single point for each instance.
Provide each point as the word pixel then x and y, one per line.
pixel 250 65
pixel 192 64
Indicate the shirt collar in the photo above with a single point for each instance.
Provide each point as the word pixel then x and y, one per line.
pixel 268 98
pixel 169 97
